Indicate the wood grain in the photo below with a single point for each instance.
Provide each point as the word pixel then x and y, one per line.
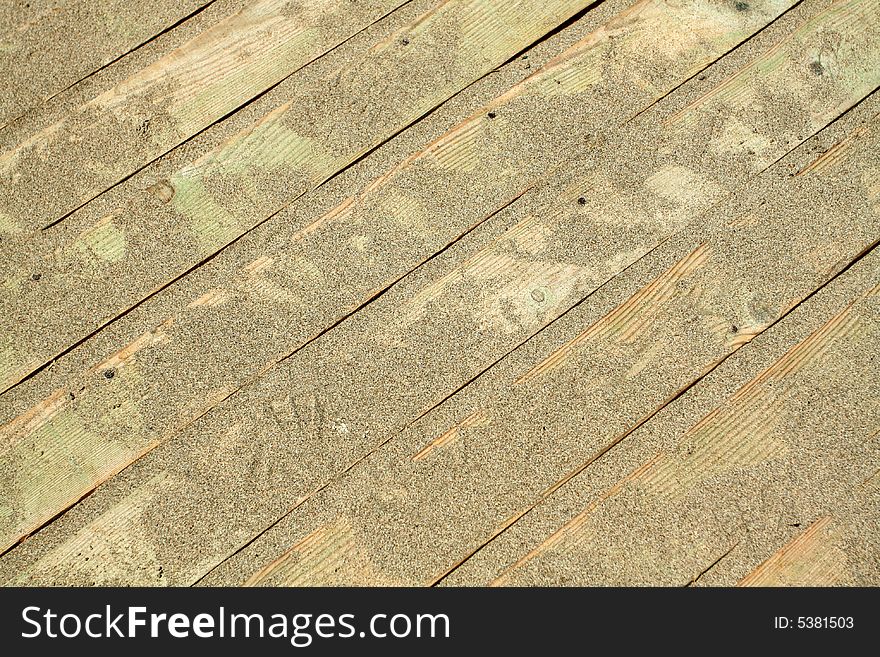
pixel 671 503
pixel 85 36
pixel 166 391
pixel 113 135
pixel 329 423
pixel 608 386
pixel 163 231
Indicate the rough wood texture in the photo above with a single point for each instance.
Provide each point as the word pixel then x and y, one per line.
pixel 610 382
pixel 92 268
pixel 613 322
pixel 96 33
pixel 766 430
pixel 66 164
pixel 317 277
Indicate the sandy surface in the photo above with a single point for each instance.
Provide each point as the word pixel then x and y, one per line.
pixel 436 390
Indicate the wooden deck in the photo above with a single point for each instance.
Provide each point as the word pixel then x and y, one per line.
pixel 440 292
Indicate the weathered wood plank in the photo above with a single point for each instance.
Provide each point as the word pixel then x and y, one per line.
pixel 839 548
pixel 66 164
pixel 164 389
pixel 548 425
pixel 263 433
pixel 810 559
pixel 774 430
pixel 790 441
pixel 747 532
pixel 48 45
pixel 82 277
pixel 91 268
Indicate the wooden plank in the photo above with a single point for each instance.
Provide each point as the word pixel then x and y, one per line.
pixel 164 390
pixel 729 536
pixel 810 559
pixel 179 221
pixel 67 164
pixel 665 514
pixel 680 509
pixel 84 37
pixel 838 549
pixel 79 286
pixel 541 427
pixel 294 427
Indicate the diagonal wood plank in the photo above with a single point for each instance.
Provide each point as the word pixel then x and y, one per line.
pixel 660 521
pixel 92 269
pixel 838 548
pixel 59 105
pixel 79 289
pixel 67 164
pixel 785 429
pixel 810 559
pixel 158 387
pixel 84 37
pixel 295 405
